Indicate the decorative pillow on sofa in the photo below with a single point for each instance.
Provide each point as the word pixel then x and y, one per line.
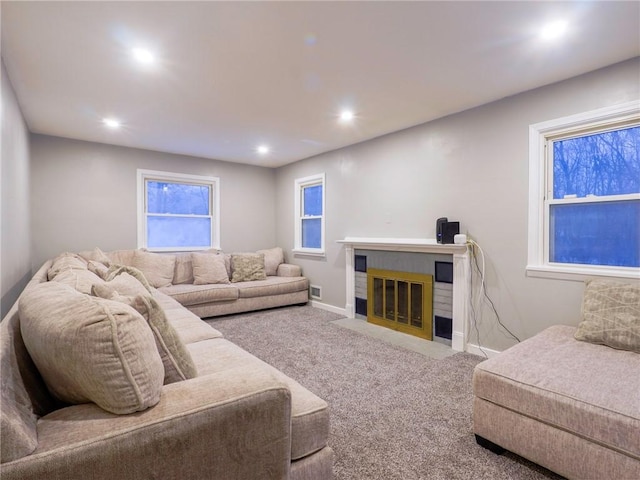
pixel 96 255
pixel 611 315
pixel 66 261
pixel 208 268
pixel 177 361
pixel 247 267
pixel 273 257
pixel 117 270
pixel 157 268
pixel 88 349
pixel 79 280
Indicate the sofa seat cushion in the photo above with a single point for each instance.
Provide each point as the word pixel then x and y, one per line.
pixel 309 413
pixel 190 327
pixel 197 294
pixel 272 286
pixel 586 389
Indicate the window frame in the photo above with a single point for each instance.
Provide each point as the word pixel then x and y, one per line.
pixel 154 175
pixel 540 164
pixel 299 185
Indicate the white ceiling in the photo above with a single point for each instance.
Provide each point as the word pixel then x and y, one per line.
pixel 232 75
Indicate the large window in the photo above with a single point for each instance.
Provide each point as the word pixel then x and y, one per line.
pixel 309 215
pixel 177 212
pixel 585 195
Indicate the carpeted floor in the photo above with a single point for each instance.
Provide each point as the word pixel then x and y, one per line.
pixel 395 414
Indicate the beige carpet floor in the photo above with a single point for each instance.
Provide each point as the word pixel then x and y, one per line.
pixel 395 413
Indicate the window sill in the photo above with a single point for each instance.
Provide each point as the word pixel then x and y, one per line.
pixel 308 253
pixel 580 273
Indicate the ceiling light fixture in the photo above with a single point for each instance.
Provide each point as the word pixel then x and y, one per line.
pixel 111 123
pixel 347 116
pixel 263 149
pixel 143 56
pixel 553 30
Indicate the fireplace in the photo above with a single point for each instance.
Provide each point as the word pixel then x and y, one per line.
pixel 450 300
pixel 401 301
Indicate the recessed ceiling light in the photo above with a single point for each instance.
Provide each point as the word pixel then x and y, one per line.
pixel 263 149
pixel 553 30
pixel 143 55
pixel 111 122
pixel 347 116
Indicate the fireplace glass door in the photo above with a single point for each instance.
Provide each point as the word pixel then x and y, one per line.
pixel 401 301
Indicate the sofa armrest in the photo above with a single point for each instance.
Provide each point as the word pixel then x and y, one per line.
pixel 231 424
pixel 289 270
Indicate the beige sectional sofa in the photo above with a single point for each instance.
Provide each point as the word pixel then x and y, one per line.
pixel 566 398
pixel 177 400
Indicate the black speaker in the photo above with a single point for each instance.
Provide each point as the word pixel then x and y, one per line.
pixel 450 230
pixel 446 230
pixel 439 228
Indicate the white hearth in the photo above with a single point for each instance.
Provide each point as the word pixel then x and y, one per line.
pixel 461 275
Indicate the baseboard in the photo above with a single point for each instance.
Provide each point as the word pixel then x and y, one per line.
pixel 329 308
pixel 485 352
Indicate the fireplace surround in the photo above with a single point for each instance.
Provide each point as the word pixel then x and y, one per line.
pixel 461 275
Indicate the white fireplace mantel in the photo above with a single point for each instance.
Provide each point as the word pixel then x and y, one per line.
pixel 461 275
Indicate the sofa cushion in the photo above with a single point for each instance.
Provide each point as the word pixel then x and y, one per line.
pixel 611 315
pixel 116 270
pixel 183 269
pixel 122 257
pixel 177 361
pixel 88 349
pixel 96 255
pixel 586 389
pixel 189 326
pixel 66 261
pixel 273 257
pixel 18 434
pixel 272 286
pixel 100 269
pixel 197 294
pixel 309 413
pixel 208 268
pixel 157 268
pixel 246 267
pixel 79 280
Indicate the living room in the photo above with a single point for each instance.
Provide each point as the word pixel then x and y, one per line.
pixel 66 193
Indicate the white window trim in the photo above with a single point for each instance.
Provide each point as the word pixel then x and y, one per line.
pixel 537 264
pixel 299 184
pixel 144 175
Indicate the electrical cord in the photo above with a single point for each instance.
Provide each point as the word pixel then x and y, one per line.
pixel 483 290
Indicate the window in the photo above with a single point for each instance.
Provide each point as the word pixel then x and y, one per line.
pixel 309 215
pixel 584 195
pixel 178 212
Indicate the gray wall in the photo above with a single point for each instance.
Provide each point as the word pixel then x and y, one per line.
pixel 471 167
pixel 84 195
pixel 15 241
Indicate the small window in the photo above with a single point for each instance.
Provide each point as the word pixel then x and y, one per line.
pixel 586 171
pixel 309 214
pixel 177 212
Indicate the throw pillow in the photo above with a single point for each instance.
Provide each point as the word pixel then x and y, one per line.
pixel 100 269
pixel 79 280
pixel 177 361
pixel 116 270
pixel 611 315
pixel 273 257
pixel 157 268
pixel 89 349
pixel 96 255
pixel 66 261
pixel 208 268
pixel 247 267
